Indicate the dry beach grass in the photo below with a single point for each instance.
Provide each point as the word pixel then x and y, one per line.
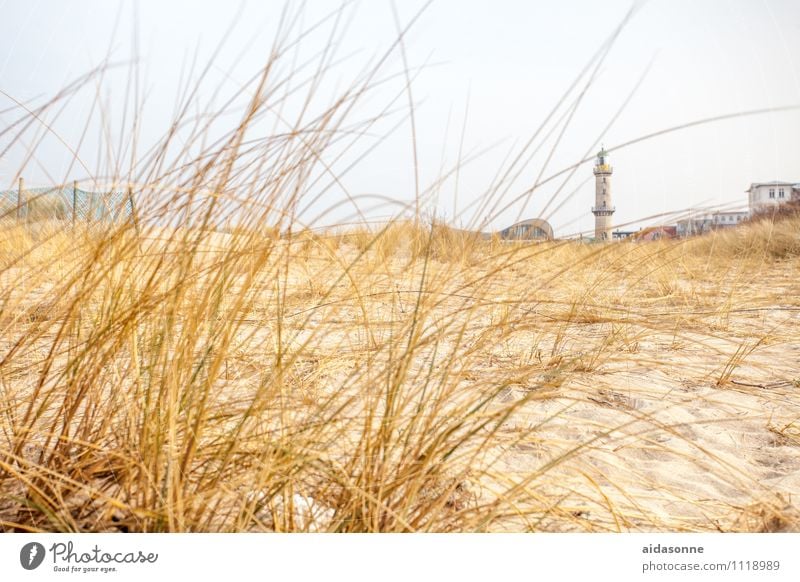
pixel 203 381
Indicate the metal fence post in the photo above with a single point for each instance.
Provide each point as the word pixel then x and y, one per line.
pixel 20 189
pixel 74 201
pixel 134 217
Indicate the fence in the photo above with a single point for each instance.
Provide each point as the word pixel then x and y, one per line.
pixel 65 203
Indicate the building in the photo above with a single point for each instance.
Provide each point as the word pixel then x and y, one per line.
pixel 762 196
pixel 693 226
pixel 712 221
pixel 652 233
pixel 728 219
pixel 602 209
pixel 622 234
pixel 531 229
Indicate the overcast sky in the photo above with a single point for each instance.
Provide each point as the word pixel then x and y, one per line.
pixel 508 61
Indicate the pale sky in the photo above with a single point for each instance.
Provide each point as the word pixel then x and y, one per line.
pixel 510 61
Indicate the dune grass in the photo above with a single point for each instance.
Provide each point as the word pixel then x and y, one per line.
pixel 197 381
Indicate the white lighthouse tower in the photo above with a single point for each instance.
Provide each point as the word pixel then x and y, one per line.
pixel 602 208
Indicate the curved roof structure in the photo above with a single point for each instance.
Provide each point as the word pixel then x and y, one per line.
pixel 531 229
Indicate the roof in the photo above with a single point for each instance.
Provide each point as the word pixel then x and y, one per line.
pixel 773 183
pixel 535 223
pixel 668 229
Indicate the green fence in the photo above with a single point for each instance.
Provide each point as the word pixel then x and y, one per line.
pixel 65 203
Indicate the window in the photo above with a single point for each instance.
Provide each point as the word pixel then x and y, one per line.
pixel 772 192
pixel 780 193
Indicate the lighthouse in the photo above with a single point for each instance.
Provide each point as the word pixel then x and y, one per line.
pixel 602 208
